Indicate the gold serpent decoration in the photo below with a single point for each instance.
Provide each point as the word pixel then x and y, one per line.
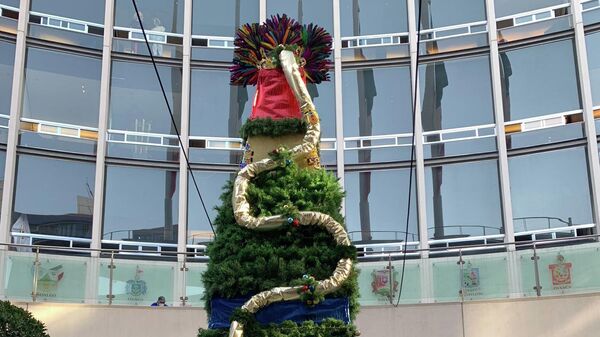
pixel 241 207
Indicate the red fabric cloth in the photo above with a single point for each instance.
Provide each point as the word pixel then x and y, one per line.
pixel 274 99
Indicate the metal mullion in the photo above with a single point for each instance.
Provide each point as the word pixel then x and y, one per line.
pixel 499 117
pixel 262 10
pixel 425 270
pixel 339 117
pixel 103 113
pixel 588 110
pixel 13 123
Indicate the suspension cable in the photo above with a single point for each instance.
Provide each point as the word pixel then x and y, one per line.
pixel 187 161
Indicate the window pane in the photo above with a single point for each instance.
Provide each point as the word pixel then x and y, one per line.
pixel 319 12
pixel 2 165
pixel 550 189
pixel 53 197
pixel 73 101
pixel 221 18
pixel 456 93
pixel 539 80
pixel 7 60
pixel 141 204
pixel 217 108
pixel 376 206
pixel 377 101
pixel 509 7
pixel 442 13
pixel 211 187
pixel 463 200
pixel 13 3
pixel 593 49
pixel 368 17
pixel 84 10
pixel 169 14
pixel 75 81
pixel 137 104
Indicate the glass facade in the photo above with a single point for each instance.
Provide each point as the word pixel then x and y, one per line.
pixel 75 127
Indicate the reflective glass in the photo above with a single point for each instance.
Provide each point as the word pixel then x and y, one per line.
pixel 509 7
pixel 377 101
pixel 141 204
pixel 53 197
pixel 73 101
pixel 2 164
pixel 221 18
pixel 456 93
pixel 442 13
pixel 210 185
pixel 463 200
pixel 157 15
pixel 84 10
pixel 217 108
pixel 593 49
pixel 539 80
pixel 319 12
pixel 376 206
pixel 550 189
pixel 7 59
pixel 137 104
pixel 369 17
pixel 12 3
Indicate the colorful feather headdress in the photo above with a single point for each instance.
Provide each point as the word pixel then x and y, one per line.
pixel 256 46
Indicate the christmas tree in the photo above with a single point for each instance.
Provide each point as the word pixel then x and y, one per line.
pixel 281 263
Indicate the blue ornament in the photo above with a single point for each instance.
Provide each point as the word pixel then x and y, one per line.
pixel 288 162
pixel 312 289
pixel 305 277
pixel 290 220
pixel 242 165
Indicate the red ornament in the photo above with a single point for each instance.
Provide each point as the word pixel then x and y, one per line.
pixel 296 223
pixel 305 288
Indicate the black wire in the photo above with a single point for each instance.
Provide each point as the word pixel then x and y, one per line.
pixel 412 153
pixel 187 161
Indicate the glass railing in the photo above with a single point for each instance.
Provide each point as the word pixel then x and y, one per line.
pixel 451 274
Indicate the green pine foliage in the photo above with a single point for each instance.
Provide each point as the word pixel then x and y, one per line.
pixel 271 127
pixel 17 322
pixel 244 262
pixel 328 328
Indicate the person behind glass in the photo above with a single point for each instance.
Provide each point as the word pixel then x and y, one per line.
pixel 157 48
pixel 160 302
pixel 135 24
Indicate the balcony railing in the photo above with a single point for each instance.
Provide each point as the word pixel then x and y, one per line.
pixel 35 273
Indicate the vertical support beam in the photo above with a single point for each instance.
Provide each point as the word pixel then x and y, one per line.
pixel 509 232
pixel 588 109
pixel 513 263
pixel 16 101
pixel 339 109
pixel 102 127
pixel 262 10
pixel 419 174
pixel 179 292
pixel 419 157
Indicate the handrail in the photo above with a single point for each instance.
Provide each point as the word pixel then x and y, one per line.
pixel 486 246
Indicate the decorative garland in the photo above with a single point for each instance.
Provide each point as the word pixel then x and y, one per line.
pixel 272 127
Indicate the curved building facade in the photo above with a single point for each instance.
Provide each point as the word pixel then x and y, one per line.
pixel 505 128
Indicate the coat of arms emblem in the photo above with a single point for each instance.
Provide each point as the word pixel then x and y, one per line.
pixel 561 273
pixel 470 280
pixel 136 287
pixel 384 282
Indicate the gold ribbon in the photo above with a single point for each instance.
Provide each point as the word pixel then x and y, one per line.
pixel 241 206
